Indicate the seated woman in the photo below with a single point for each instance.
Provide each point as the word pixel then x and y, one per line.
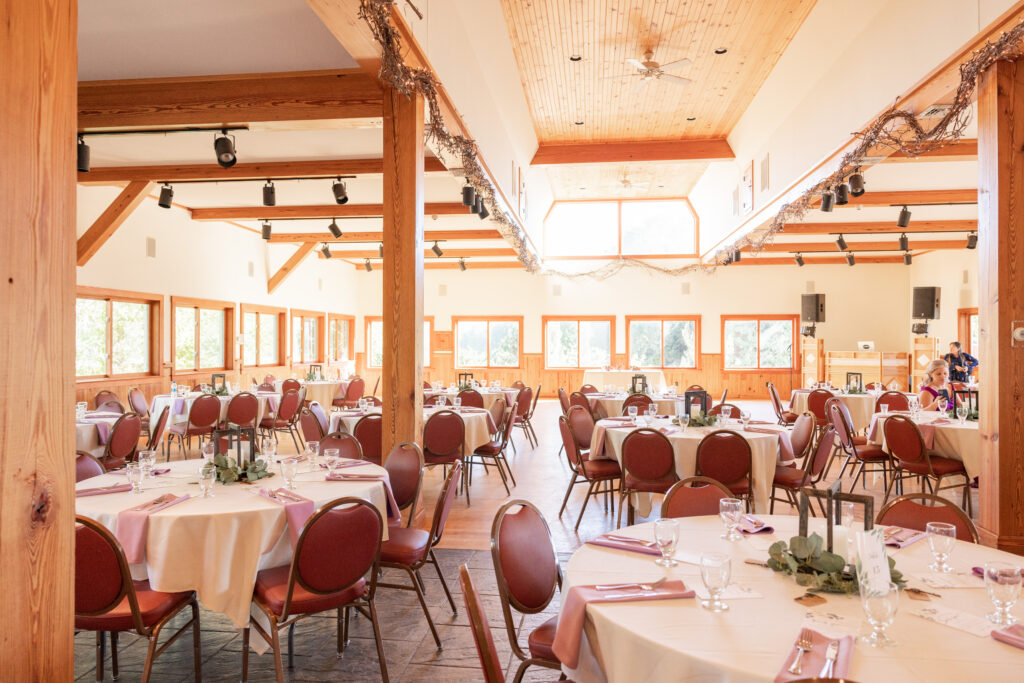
pixel 961 363
pixel 936 391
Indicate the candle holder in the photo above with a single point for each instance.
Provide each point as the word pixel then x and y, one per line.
pixel 218 383
pixel 832 496
pixel 701 398
pixel 638 385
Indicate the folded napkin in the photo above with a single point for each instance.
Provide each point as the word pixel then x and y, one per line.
pixel 101 490
pixel 814 661
pixel 750 524
pixel 133 525
pixel 297 509
pixel 1011 635
pixel 393 510
pixel 667 430
pixel 623 418
pixel 569 633
pixel 762 422
pixel 898 537
pixel 597 438
pixel 346 462
pixel 633 545
pixel 980 572
pixel 155 472
pixel 292 458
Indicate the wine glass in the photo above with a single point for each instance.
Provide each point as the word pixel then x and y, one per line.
pixel 745 419
pixel 884 408
pixel 652 411
pixel 726 414
pixel 1002 581
pixel 269 449
pixel 209 451
pixel 715 571
pixel 134 474
pixel 457 404
pixel 961 414
pixel 147 459
pixel 207 477
pixel 632 411
pixel 730 510
pixel 666 535
pixel 312 451
pixel 880 608
pixel 439 401
pixel 941 539
pixel 289 467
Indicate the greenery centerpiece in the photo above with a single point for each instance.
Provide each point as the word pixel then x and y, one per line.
pixel 817 569
pixel 228 469
pixel 855 390
pixel 699 420
pixel 219 391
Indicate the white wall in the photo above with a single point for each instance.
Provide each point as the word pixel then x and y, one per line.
pixel 956 273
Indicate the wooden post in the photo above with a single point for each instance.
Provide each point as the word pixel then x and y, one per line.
pixel 402 368
pixel 1001 302
pixel 37 337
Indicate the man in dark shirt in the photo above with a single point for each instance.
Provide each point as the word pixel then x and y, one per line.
pixel 961 363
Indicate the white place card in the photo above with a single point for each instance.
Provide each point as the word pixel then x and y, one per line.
pixel 961 621
pixel 872 561
pixel 951 580
pixel 733 591
pixel 831 624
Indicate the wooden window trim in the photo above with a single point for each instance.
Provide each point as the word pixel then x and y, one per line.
pixel 794 367
pixel 156 337
pixel 963 328
pixel 229 332
pixel 321 333
pixel 456 319
pixel 377 318
pixel 351 319
pixel 696 319
pixel 282 324
pixel 545 319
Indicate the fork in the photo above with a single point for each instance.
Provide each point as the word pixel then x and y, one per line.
pixel 620 586
pixel 803 644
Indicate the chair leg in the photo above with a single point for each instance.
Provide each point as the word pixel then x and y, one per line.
pixel 444 584
pixel 197 652
pixel 586 499
pixel 771 502
pixel 147 668
pixel 380 643
pixel 291 646
pixel 568 490
pixel 275 638
pixel 114 672
pixel 101 653
pixel 245 654
pixel 521 671
pixel 508 467
pixel 893 480
pixel 423 604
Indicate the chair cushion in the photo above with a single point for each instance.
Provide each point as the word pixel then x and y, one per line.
pixel 871 452
pixel 790 477
pixel 541 639
pixel 941 466
pixel 601 469
pixel 154 606
pixel 656 486
pixel 431 459
pixel 272 588
pixel 740 488
pixel 789 418
pixel 405 546
pixel 860 440
pixel 178 428
pixel 489 448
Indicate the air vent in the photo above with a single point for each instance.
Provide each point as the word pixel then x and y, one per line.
pixel 320 284
pixel 556 290
pixel 442 290
pixel 252 269
pixel 685 288
pixel 936 111
pixel 151 247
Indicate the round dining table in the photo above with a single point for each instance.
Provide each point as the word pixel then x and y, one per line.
pixel 216 545
pixel 861 406
pixel 622 378
pixel 489 395
pixel 181 405
pixel 610 405
pixel 676 640
pixel 322 391
pixel 478 421
pixel 93 430
pixel 942 434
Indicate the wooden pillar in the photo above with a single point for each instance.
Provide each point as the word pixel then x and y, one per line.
pixel 402 368
pixel 38 42
pixel 1001 303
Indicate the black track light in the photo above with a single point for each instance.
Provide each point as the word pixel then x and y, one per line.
pixel 340 194
pixel 904 219
pixel 478 204
pixel 972 241
pixel 857 184
pixel 166 195
pixel 468 194
pixel 799 260
pixel 736 255
pixel 326 250
pixel 483 212
pixel 841 243
pixel 335 230
pixel 437 250
pixel 462 265
pixel 225 149
pixel 269 194
pixel 842 194
pixel 380 250
pixel 907 258
pixel 368 266
pixel 849 259
pixel 83 155
pixel 827 200
pixel 904 242
pixel 265 229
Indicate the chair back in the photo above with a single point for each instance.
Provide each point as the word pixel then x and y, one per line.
pixel 641 401
pixel 903 439
pixel 578 398
pixel 523 402
pixel 505 428
pixel 355 389
pixel 524 558
pixel 427 385
pixel 490 661
pixel 906 512
pixel 440 397
pixel 563 400
pixel 102 577
pixel 816 404
pixel 815 465
pixel 123 440
pixel 138 402
pixel 243 408
pixel 724 456
pixel 444 433
pixel 589 389
pixel 647 455
pixel 310 426
pixel 290 385
pixel 717 409
pixel 533 405
pixel 373 401
pixel 773 396
pixel 894 399
pixel 572 448
pixel 156 434
pixel 497 411
pixel 518 384
pixel 443 507
pixel 86 466
pixel 205 411
pixel 269 379
pixel 582 423
pixel 694 387
pixel 471 398
pixel 801 435
pixel 104 395
pixel 725 394
pixel 320 415
pixel 842 426
pixel 288 407
pixel 267 387
pixel 694 497
pixel 111 406
pixel 369 433
pixel 376 385
pixel 404 465
pixel 347 445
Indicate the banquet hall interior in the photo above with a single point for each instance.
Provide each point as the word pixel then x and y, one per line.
pixel 527 340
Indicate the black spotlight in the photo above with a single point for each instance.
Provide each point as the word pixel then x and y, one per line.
pixel 269 194
pixel 849 259
pixel 799 260
pixel 857 184
pixel 368 266
pixel 907 258
pixel 380 250
pixel 326 250
pixel 841 243
pixel 842 194
pixel 335 230
pixel 904 242
pixel 83 155
pixel 166 195
pixel 736 255
pixel 972 241
pixel 462 264
pixel 225 149
pixel 483 212
pixel 437 250
pixel 468 195
pixel 478 204
pixel 904 219
pixel 265 229
pixel 827 200
pixel 340 194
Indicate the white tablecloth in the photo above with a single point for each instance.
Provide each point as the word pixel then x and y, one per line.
pixel 622 378
pixel 478 424
pixel 181 405
pixel 861 406
pixel 610 405
pixel 678 640
pixel 951 440
pixel 323 391
pixel 87 434
pixel 216 545
pixel 489 395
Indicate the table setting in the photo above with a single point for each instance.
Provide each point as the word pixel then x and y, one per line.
pixel 952 437
pixel 479 423
pixel 320 390
pixel 489 393
pixel 602 378
pixel 92 429
pixel 180 404
pixel 609 404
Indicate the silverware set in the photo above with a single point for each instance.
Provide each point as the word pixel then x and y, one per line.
pixel 804 644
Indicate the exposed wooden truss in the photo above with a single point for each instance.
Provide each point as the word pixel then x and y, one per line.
pixel 868 227
pixel 428 236
pixel 374 254
pixel 654 150
pixel 242 213
pixel 289 266
pixel 111 219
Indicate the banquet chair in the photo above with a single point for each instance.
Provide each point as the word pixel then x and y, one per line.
pixel 725 394
pixel 563 400
pixel 353 392
pixel 522 414
pixel 694 497
pixel 284 420
pixel 411 548
pixel 439 400
pixel 873 386
pixel 582 427
pixel 694 387
pixel 497 411
pixel 717 409
pixel 269 379
pixel 725 456
pixel 87 466
pixel 894 399
pixel 158 431
pixel 785 417
pixel 600 475
pixel 816 401
pixel 404 465
pixel 807 475
pixel 348 446
pixel 801 436
pixel 444 443
pixel 111 406
pixel 471 398
pixel 108 600
pixel 122 442
pixel 202 419
pixel 376 385
pixel 137 400
pixel 518 384
pixel 320 415
pixel 865 454
pixel 427 386
pixel 589 389
pixel 904 511
pixel 578 398
pixel 311 428
pixel 912 459
pixel 858 439
pixel 290 385
pixel 490 662
pixel 242 411
pixel 267 387
pixel 374 401
pixel 648 466
pixel 103 396
pixel 493 453
pixel 368 432
pixel 334 566
pixel 641 401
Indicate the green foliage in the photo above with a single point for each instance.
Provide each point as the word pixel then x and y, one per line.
pixel 701 420
pixel 855 390
pixel 228 470
pixel 817 569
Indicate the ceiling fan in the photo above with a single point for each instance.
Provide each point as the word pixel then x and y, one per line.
pixel 628 184
pixel 649 70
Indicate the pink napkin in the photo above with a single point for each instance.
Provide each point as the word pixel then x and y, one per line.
pixel 297 509
pixel 901 538
pixel 101 490
pixel 133 524
pixel 347 462
pixel 750 524
pixel 633 545
pixel 393 511
pixel 667 430
pixel 569 633
pixel 814 660
pixel 102 430
pixel 1011 635
pixel 928 431
pixel 785 447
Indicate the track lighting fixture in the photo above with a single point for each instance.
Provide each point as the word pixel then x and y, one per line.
pixel 842 194
pixel 477 204
pixel 335 230
pixel 827 200
pixel 225 149
pixel 857 183
pixel 841 243
pixel 483 212
pixel 437 250
pixel 368 266
pixel 849 259
pixel 907 258
pixel 904 242
pixel 972 241
pixel 340 194
pixel 380 250
pixel 265 229
pixel 326 250
pixel 462 265
pixel 166 195
pixel 269 194
pixel 904 219
pixel 736 255
pixel 799 260
pixel 83 155
pixel 468 194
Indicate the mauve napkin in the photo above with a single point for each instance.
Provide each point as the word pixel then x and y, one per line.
pixel 750 524
pixel 901 538
pixel 634 545
pixel 346 462
pixel 102 490
pixel 393 511
pixel 133 524
pixel 156 472
pixel 1011 635
pixel 814 660
pixel 297 509
pixel 569 633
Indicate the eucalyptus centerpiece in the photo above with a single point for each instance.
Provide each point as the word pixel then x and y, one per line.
pixel 228 469
pixel 817 569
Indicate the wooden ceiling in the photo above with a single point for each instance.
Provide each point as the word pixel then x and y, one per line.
pixel 649 179
pixel 612 106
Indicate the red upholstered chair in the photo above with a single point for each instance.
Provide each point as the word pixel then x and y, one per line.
pixel 858 439
pixel 404 465
pixel 353 392
pixel 427 385
pixel 563 400
pixel 582 422
pixel 493 453
pixel 589 389
pixel 444 442
pixel 267 387
pixel 242 410
pixel 108 600
pixel 122 442
pixel 600 475
pixel 373 401
pixel 792 479
pixel 369 434
pixel 290 385
pixel 695 387
pixel 439 400
pixel 111 406
pixel 641 401
pixel 525 405
pixel 725 457
pixel 894 399
pixel 269 379
pixel 103 396
pixel 904 511
pixel 913 460
pixel 348 446
pixel 518 384
pixel 140 406
pixel 649 465
pixel 784 416
pixel 158 431
pixel 528 575
pixel 285 419
pixel 334 566
pixel 320 414
pixel 717 409
pixel 471 398
pixel 578 398
pixel 202 419
pixel 497 411
pixel 86 466
pixel 866 455
pixel 410 548
pixel 376 385
pixel 873 386
pixel 816 405
pixel 802 435
pixel 310 426
pixel 490 662
pixel 694 497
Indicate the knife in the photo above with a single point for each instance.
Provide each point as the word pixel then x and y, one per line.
pixel 830 659
pixel 627 539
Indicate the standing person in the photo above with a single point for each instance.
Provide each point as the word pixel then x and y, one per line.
pixel 961 364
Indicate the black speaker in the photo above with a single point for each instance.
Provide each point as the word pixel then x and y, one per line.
pixel 926 303
pixel 812 308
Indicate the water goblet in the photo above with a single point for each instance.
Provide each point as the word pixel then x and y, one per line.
pixel 666 535
pixel 289 467
pixel 726 414
pixel 684 422
pixel 269 449
pixel 880 609
pixel 439 401
pixel 209 451
pixel 652 411
pixel 80 409
pixel 632 411
pixel 730 511
pixel 745 419
pixel 961 413
pixel 941 540
pixel 134 474
pixel 147 459
pixel 1002 582
pixel 312 451
pixel 715 572
pixel 457 404
pixel 207 478
pixel 884 408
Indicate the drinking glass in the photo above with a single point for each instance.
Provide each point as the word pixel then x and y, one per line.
pixel 652 411
pixel 312 451
pixel 745 419
pixel 207 478
pixel 715 571
pixel 269 449
pixel 361 405
pixel 457 404
pixel 209 451
pixel 331 461
pixel 880 609
pixel 730 510
pixel 884 408
pixel 942 403
pixel 439 401
pixel 1002 581
pixel 684 422
pixel 941 539
pixel 666 535
pixel 632 411
pixel 134 473
pixel 147 459
pixel 726 414
pixel 961 413
pixel 289 467
pixel 80 408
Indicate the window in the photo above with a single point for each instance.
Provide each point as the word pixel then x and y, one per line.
pixel 307 336
pixel 261 335
pixel 488 342
pixel 758 342
pixel 658 228
pixel 645 228
pixel 201 332
pixel 375 341
pixel 116 333
pixel 578 343
pixel 571 224
pixel 663 341
pixel 340 334
pixel 967 330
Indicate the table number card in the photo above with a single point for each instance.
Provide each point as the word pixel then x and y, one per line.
pixel 962 621
pixel 872 561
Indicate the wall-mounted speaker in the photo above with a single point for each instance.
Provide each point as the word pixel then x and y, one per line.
pixel 812 308
pixel 926 303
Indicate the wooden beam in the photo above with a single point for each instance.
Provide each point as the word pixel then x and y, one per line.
pixel 256 171
pixel 236 98
pixel 374 254
pixel 252 213
pixel 111 219
pixel 815 260
pixel 289 266
pixel 867 227
pixel 341 17
pixel 910 198
pixel 641 150
pixel 453 265
pixel 429 235
pixel 965 149
pixel 890 245
pixel 37 349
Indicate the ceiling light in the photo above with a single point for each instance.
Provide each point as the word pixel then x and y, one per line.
pixel 269 194
pixel 326 250
pixel 225 149
pixel 83 155
pixel 904 219
pixel 483 213
pixel 578 123
pixel 849 259
pixel 736 255
pixel 462 264
pixel 166 195
pixel 437 250
pixel 904 242
pixel 335 230
pixel 380 250
pixel 842 194
pixel 368 266
pixel 907 258
pixel 799 260
pixel 972 241
pixel 468 194
pixel 721 51
pixel 265 229
pixel 340 195
pixel 857 184
pixel 841 243
pixel 478 203
pixel 827 200
pixel 575 58
pixel 691 118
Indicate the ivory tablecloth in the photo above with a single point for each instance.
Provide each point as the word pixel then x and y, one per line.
pixel 861 406
pixel 479 425
pixel 180 406
pixel 489 395
pixel 951 440
pixel 323 391
pixel 87 433
pixel 622 378
pixel 610 405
